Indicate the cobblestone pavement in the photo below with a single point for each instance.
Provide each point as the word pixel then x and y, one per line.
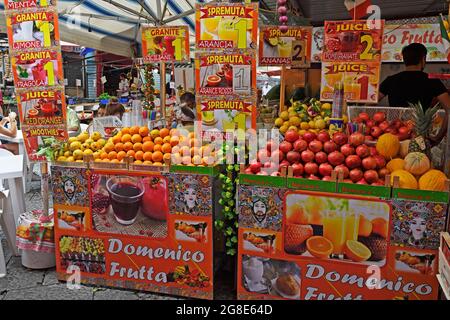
pixel 22 283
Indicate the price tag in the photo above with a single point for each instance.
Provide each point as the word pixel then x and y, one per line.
pixel 242 79
pixel 298 52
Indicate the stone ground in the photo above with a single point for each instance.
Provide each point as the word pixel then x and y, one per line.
pixel 21 283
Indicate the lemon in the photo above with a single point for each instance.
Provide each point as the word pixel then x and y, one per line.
pixel 304 125
pixel 101 142
pixel 72 139
pixel 320 124
pixel 312 124
pixel 98 160
pixel 62 158
pixel 279 122
pixel 89 141
pixel 302 132
pixel 293 128
pixel 291 109
pixel 67 154
pixel 284 129
pixel 96 136
pixel 284 115
pixel 326 106
pixel 70 159
pixel 96 155
pixel 85 146
pixel 82 137
pixel 79 161
pixel 76 145
pixel 78 154
pixel 88 152
pixel 295 121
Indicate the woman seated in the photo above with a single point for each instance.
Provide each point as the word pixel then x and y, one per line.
pixel 9 132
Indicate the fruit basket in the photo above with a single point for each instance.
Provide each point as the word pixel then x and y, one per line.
pixel 392 114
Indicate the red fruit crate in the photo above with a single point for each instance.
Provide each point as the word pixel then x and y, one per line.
pixel 402 114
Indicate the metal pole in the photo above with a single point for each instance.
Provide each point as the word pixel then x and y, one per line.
pixel 181 15
pixel 162 90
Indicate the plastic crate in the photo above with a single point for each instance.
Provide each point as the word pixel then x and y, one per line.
pixel 403 114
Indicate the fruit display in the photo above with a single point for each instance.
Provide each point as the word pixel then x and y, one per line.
pixel 183 275
pixel 310 115
pixel 78 147
pixel 192 230
pixel 80 248
pixel 263 242
pixel 419 262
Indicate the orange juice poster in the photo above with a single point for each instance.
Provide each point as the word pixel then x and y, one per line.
pixel 357 40
pixel 226 26
pixel 33 30
pixel 167 44
pixel 230 74
pixel 28 4
pixel 336 247
pixel 42 107
pixel 37 69
pixel 119 229
pixel 220 115
pixel 289 48
pixel 361 80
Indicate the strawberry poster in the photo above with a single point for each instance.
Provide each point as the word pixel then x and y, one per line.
pixel 361 80
pixel 165 44
pixel 226 26
pixel 225 74
pixel 292 47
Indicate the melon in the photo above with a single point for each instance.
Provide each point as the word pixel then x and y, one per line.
pixel 417 163
pixel 388 145
pixel 395 164
pixel 407 180
pixel 433 180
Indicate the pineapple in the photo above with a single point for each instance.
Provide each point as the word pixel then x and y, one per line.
pixel 422 125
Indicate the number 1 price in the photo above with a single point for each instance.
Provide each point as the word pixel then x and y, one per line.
pixel 45 28
pixel 48 67
pixel 241 27
pixel 177 45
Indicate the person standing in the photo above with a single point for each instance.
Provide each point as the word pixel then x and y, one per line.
pixel 265 89
pixel 124 86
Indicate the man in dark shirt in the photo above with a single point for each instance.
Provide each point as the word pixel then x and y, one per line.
pixel 413 85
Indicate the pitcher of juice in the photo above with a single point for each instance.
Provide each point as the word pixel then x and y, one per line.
pixel 334 229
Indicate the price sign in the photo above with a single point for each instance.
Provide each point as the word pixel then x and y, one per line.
pixel 351 41
pixel 292 47
pixel 226 26
pixel 167 44
pixel 242 80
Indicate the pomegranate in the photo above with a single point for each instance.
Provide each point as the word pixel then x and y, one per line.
pixel 284 163
pixel 323 136
pixel 313 177
pixel 384 125
pixel 382 173
pixel 307 156
pixel 347 150
pixel 336 158
pixel 381 162
pixel 325 169
pixel 370 123
pixel 356 175
pixel 277 156
pixel 329 147
pixel 356 139
pixel 363 151
pixel 396 124
pixel 300 145
pixel 364 116
pixel 321 157
pixel 376 132
pixel 309 136
pixel 391 130
pixel 378 183
pixel 343 169
pixel 373 151
pixel 340 138
pixel 255 167
pixel 315 146
pixel 369 163
pixel 379 117
pixel 285 146
pixel 263 155
pixel 297 169
pixel 249 171
pixel 371 176
pixel 291 136
pixel 327 178
pixel 311 168
pixel 362 181
pixel 293 156
pixel 347 181
pixel 353 161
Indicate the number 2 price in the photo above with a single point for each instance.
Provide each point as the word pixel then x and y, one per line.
pixel 368 40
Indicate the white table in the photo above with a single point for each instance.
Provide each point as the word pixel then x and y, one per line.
pixel 19 140
pixel 12 169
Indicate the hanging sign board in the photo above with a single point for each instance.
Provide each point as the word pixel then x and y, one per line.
pixel 165 44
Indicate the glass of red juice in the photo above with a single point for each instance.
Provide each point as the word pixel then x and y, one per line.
pixel 126 196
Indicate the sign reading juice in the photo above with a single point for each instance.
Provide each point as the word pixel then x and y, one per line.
pixel 361 81
pixel 33 30
pixel 292 47
pixel 167 44
pixel 37 69
pixel 353 41
pixel 231 74
pixel 28 4
pixel 42 107
pixel 221 115
pixel 226 26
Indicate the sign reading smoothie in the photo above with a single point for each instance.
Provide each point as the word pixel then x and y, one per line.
pixel 226 26
pixel 42 107
pixel 361 80
pixel 289 48
pixel 37 69
pixel 167 44
pixel 33 30
pixel 351 41
pixel 221 115
pixel 28 4
pixel 220 74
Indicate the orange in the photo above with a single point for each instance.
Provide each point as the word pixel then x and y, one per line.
pixel 125 130
pixel 139 155
pixel 157 163
pixel 158 140
pixel 148 146
pixel 137 146
pixel 115 161
pixel 174 141
pixel 121 155
pixel 167 139
pixel 186 160
pixel 164 132
pixel 112 155
pixel 134 130
pixel 138 162
pixel 147 138
pixel 108 147
pixel 320 247
pixel 127 146
pixel 104 155
pixel 149 163
pixel 118 147
pixel 167 157
pixel 116 139
pixel 106 160
pixel 356 251
pixel 136 138
pixel 380 227
pixel 131 153
pixel 166 148
pixel 143 131
pixel 126 138
pixel 148 156
pixel 157 156
pixel 365 227
pixel 157 147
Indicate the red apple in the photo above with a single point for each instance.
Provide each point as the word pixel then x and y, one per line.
pixel 285 146
pixel 325 169
pixel 311 168
pixel 323 136
pixel 336 158
pixel 329 147
pixel 340 138
pixel 307 156
pixel 293 156
pixel 347 150
pixel 356 175
pixel 371 176
pixel 343 169
pixel 297 169
pixel 356 139
pixel 315 146
pixel 379 117
pixel 381 162
pixel 291 136
pixel 369 163
pixel 364 116
pixel 321 157
pixel 309 136
pixel 363 151
pixel 376 132
pixel 300 145
pixel 353 161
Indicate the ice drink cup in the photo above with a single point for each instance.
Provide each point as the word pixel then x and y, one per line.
pixel 126 196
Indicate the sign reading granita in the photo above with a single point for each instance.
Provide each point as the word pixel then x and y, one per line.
pixel 226 26
pixel 167 44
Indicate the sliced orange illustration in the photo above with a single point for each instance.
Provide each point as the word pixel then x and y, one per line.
pixel 319 247
pixel 356 251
